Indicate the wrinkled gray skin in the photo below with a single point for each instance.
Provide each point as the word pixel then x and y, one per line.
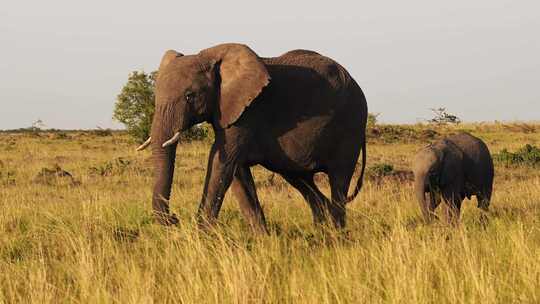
pixel 296 115
pixel 453 168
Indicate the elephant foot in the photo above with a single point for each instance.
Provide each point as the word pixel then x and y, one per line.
pixel 204 225
pixel 261 230
pixel 166 219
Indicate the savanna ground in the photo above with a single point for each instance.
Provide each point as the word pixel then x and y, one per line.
pixel 89 238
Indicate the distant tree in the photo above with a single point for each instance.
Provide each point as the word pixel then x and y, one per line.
pixel 38 125
pixel 135 104
pixel 442 117
pixel 372 119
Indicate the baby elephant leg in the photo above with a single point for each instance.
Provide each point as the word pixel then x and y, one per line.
pixel 433 203
pixel 453 208
pixel 484 199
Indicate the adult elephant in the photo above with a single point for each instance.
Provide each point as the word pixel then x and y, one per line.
pixel 453 168
pixel 296 115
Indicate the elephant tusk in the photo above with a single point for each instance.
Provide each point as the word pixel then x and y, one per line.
pixel 171 141
pixel 145 144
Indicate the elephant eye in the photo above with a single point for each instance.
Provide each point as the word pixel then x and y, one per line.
pixel 189 96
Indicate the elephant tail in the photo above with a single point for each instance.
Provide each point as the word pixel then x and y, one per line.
pixel 361 177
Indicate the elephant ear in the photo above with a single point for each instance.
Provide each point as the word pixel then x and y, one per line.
pixel 169 56
pixel 243 76
pixel 451 164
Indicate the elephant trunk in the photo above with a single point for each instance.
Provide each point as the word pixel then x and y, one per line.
pixel 164 171
pixel 420 192
pixel 163 129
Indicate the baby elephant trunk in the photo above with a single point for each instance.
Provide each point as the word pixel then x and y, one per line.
pixel 420 185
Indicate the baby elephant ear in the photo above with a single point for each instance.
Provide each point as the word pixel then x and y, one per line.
pixel 243 76
pixel 168 57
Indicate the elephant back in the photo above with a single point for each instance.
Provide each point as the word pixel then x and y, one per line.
pixel 477 159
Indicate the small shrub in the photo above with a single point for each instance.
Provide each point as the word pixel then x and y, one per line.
pixel 55 175
pixel 527 155
pixel 7 177
pixel 17 250
pixel 382 169
pixel 59 136
pixel 109 168
pixel 372 120
pixel 386 172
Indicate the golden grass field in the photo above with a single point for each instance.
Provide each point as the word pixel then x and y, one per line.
pixel 91 239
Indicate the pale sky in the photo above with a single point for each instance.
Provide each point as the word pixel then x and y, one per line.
pixel 64 62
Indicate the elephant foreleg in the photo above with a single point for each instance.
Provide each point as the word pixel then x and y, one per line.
pixel 245 192
pixel 219 175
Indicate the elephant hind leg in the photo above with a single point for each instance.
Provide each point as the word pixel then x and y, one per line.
pixel 432 204
pixel 339 185
pixel 245 192
pixel 313 196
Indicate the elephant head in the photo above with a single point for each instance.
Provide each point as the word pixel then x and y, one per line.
pixel 438 169
pixel 215 85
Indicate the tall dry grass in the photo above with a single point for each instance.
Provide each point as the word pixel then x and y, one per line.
pixel 91 239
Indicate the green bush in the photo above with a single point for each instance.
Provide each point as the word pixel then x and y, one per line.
pixel 135 104
pixel 372 120
pixel 527 155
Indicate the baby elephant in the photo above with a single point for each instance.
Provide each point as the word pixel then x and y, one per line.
pixel 455 167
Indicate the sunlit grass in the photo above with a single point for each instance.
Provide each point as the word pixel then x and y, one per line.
pixel 94 241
